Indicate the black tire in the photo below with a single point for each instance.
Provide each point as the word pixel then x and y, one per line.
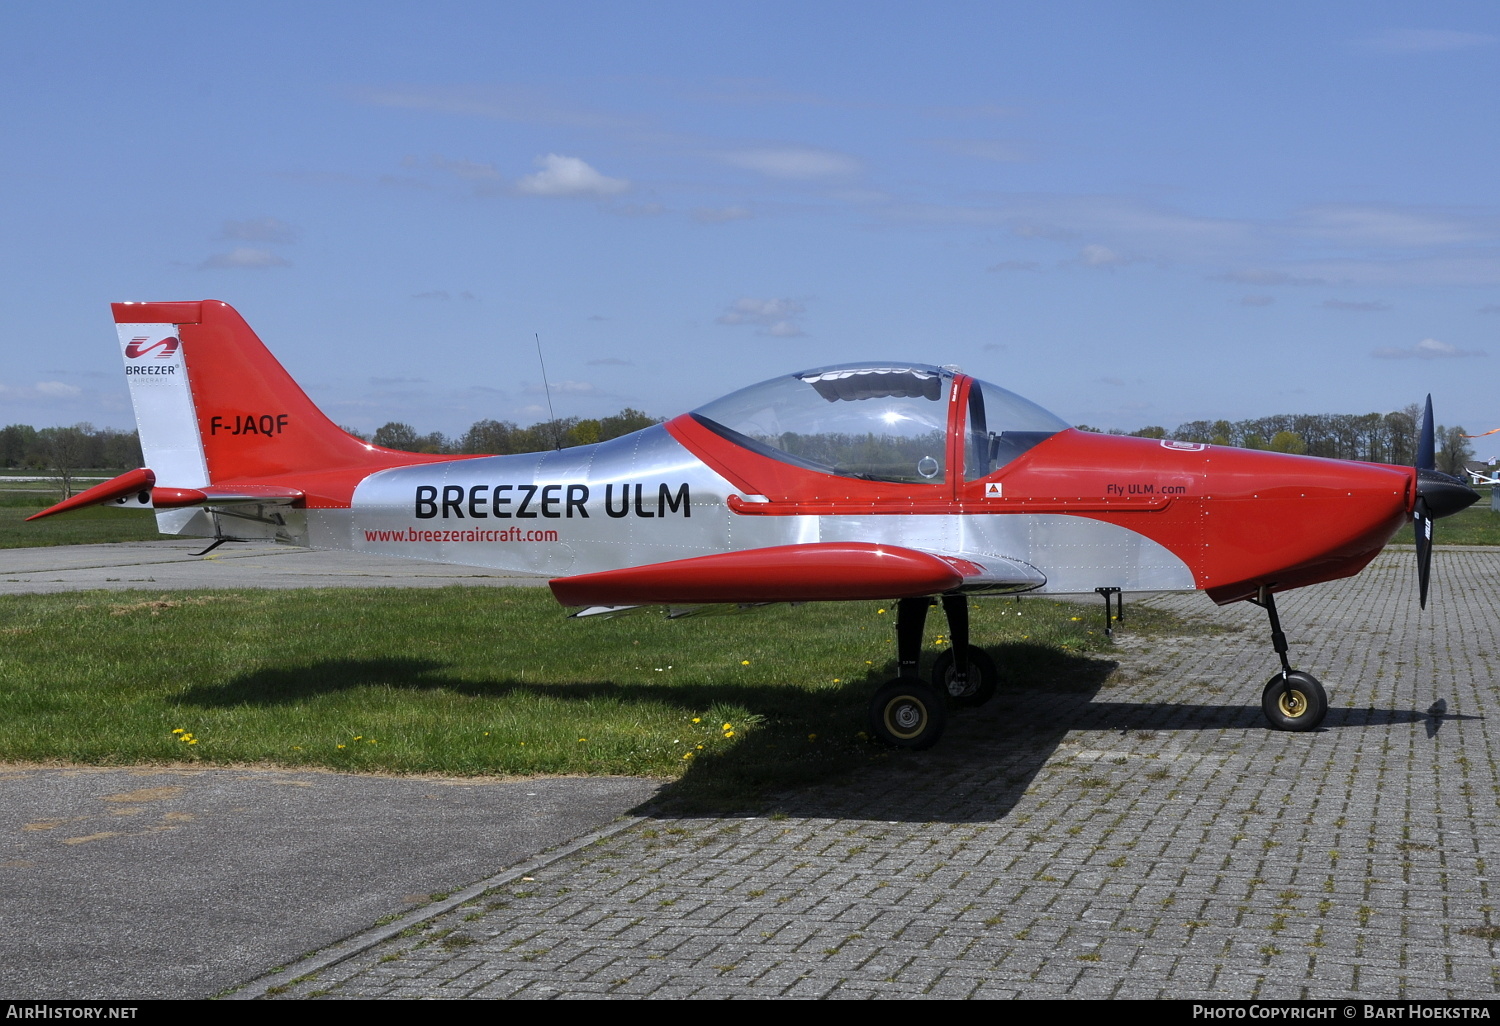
pixel 1294 702
pixel 982 681
pixel 907 714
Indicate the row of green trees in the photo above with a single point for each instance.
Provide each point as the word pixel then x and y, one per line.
pixel 503 437
pixel 1371 437
pixel 63 451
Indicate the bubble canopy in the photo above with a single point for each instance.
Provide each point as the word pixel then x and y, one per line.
pixel 877 422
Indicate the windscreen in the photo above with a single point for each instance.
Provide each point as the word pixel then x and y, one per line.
pixel 1001 426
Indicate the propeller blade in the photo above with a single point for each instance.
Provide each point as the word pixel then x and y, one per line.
pixel 1422 528
pixel 1438 495
pixel 1426 444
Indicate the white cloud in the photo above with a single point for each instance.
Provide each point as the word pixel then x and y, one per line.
pixel 1427 349
pixel 796 163
pixel 1425 40
pixel 565 388
pixel 998 150
pixel 638 210
pixel 243 257
pixel 1096 255
pixel 774 317
pixel 57 389
pixel 1368 306
pixel 260 229
pixel 976 112
pixel 720 215
pixel 504 104
pixel 1263 277
pixel 468 170
pixel 1385 226
pixel 569 176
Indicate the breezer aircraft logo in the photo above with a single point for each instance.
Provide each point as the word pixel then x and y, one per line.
pixel 137 348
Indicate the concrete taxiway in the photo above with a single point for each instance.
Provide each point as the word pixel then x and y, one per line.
pixel 174 565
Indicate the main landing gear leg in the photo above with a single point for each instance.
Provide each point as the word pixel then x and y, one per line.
pixel 1292 700
pixel 905 712
pixel 965 672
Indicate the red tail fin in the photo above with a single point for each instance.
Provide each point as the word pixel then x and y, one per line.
pixel 253 422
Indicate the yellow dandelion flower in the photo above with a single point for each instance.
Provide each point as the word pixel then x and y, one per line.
pixel 729 733
pixel 192 741
pixel 341 746
pixel 727 726
pixel 700 748
pixel 687 755
pixel 697 719
pixel 880 612
pixel 179 730
pixel 812 737
pixel 744 662
pixel 583 739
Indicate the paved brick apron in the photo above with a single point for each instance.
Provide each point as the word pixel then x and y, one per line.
pixel 1147 839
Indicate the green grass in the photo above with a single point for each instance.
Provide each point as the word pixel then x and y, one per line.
pixel 90 526
pixel 95 525
pixel 478 681
pixel 1477 525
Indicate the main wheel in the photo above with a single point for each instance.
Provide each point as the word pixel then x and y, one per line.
pixel 907 714
pixel 1294 702
pixel 982 676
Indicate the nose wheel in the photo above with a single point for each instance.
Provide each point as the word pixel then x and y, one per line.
pixel 1292 700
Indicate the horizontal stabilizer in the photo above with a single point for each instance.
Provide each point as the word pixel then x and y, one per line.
pixel 138 488
pixel 821 572
pixel 224 495
pixel 133 484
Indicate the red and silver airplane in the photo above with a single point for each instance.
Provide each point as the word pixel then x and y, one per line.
pixel 861 481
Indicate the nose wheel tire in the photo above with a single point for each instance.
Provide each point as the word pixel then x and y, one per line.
pixel 1295 701
pixel 977 689
pixel 908 714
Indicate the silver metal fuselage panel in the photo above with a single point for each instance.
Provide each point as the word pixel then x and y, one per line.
pixel 644 499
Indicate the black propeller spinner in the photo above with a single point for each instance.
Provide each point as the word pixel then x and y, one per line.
pixel 1438 495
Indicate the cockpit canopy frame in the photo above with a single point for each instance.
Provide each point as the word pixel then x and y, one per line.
pixel 881 422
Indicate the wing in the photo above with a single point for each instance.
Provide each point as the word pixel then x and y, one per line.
pixel 821 572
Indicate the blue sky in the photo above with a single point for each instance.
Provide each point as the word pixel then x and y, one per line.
pixel 1131 213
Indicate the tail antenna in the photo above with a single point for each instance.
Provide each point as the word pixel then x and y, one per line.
pixel 556 440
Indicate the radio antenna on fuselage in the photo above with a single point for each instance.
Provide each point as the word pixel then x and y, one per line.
pixel 552 417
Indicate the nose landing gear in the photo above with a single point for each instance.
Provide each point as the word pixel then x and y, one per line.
pixel 1292 700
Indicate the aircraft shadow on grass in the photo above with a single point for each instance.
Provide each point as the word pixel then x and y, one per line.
pixel 808 757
